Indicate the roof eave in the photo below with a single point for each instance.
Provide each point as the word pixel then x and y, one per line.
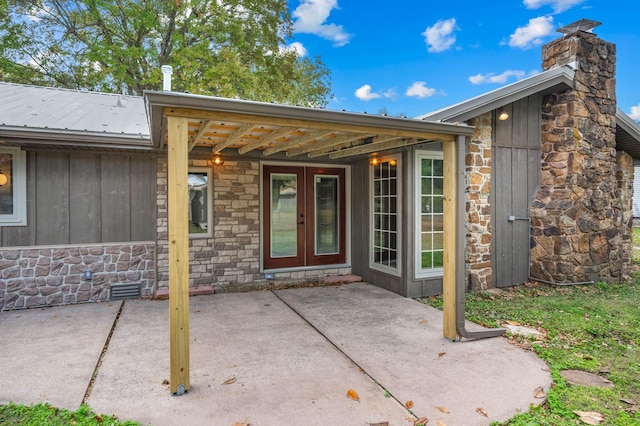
pixel 29 135
pixel 628 124
pixel 545 82
pixel 157 101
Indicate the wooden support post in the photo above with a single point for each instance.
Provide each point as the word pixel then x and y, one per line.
pixel 449 229
pixel 178 197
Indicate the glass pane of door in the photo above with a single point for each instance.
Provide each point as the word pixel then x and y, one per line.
pixel 284 221
pixel 326 215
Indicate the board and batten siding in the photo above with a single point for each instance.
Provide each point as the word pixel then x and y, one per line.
pixel 82 197
pixel 516 176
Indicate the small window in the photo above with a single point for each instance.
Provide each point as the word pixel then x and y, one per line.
pixel 200 196
pixel 430 214
pixel 385 216
pixel 13 187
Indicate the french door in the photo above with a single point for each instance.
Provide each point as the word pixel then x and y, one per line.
pixel 304 216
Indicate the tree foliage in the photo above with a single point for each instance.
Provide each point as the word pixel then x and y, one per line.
pixel 227 48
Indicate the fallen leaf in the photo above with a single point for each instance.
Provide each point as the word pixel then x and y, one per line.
pixel 229 381
pixel 240 424
pixel 482 411
pixel 441 354
pixel 165 382
pixel 512 322
pixel 423 321
pixel 539 393
pixel 590 417
pixel 441 423
pixel 353 395
pixel 409 404
pixel 421 421
pixel 443 409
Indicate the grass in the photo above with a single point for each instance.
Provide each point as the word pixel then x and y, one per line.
pixel 46 415
pixel 591 328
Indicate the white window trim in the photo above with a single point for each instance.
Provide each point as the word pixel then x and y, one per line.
pixel 419 272
pixel 19 178
pixel 209 172
pixel 397 271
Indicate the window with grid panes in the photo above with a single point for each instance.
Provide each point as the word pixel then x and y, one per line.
pixel 430 214
pixel 385 187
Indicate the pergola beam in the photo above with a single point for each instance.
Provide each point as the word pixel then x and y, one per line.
pixel 233 137
pixel 196 139
pixel 265 140
pixel 284 146
pixel 324 147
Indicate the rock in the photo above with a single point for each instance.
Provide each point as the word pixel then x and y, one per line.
pixel 578 377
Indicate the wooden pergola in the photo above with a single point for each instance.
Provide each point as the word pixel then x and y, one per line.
pixel 180 122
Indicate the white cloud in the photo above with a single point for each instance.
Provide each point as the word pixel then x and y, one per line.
pixel 364 93
pixel 310 16
pixel 390 93
pixel 440 36
pixel 420 90
pixel 557 5
pixel 296 47
pixel 635 112
pixel 533 33
pixel 496 78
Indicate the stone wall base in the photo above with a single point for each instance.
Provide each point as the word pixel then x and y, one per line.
pixel 33 277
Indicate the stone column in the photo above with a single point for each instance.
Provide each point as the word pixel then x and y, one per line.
pixel 578 219
pixel 478 163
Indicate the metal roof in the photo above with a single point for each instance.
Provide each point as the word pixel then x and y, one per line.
pixel 551 80
pixel 548 81
pixel 61 116
pixel 219 123
pixel 627 134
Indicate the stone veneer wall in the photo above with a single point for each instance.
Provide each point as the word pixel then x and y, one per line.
pixel 33 277
pixel 581 216
pixel 478 163
pixel 230 261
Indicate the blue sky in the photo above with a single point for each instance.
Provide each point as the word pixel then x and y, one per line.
pixel 410 57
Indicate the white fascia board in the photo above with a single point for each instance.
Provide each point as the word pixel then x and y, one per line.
pixel 542 82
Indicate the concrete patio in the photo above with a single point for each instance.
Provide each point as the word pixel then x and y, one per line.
pixel 268 358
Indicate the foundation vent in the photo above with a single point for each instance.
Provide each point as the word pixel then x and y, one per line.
pixel 125 291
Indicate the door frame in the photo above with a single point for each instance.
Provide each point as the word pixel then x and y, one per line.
pixel 347 223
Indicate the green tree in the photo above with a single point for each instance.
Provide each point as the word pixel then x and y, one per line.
pixel 227 48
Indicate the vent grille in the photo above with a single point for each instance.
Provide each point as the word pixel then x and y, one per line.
pixel 125 291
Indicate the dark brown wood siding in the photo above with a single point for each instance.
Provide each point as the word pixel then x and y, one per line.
pixel 516 174
pixel 79 197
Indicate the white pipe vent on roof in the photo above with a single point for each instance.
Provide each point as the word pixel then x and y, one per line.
pixel 166 77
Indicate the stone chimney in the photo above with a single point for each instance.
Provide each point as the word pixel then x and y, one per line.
pixel 580 222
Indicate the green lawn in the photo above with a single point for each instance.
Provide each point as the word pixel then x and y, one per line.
pixel 46 415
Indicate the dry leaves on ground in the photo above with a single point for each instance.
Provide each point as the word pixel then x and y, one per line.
pixel 590 417
pixel 229 381
pixel 409 404
pixel 353 395
pixel 482 411
pixel 539 393
pixel 443 409
pixel 421 421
